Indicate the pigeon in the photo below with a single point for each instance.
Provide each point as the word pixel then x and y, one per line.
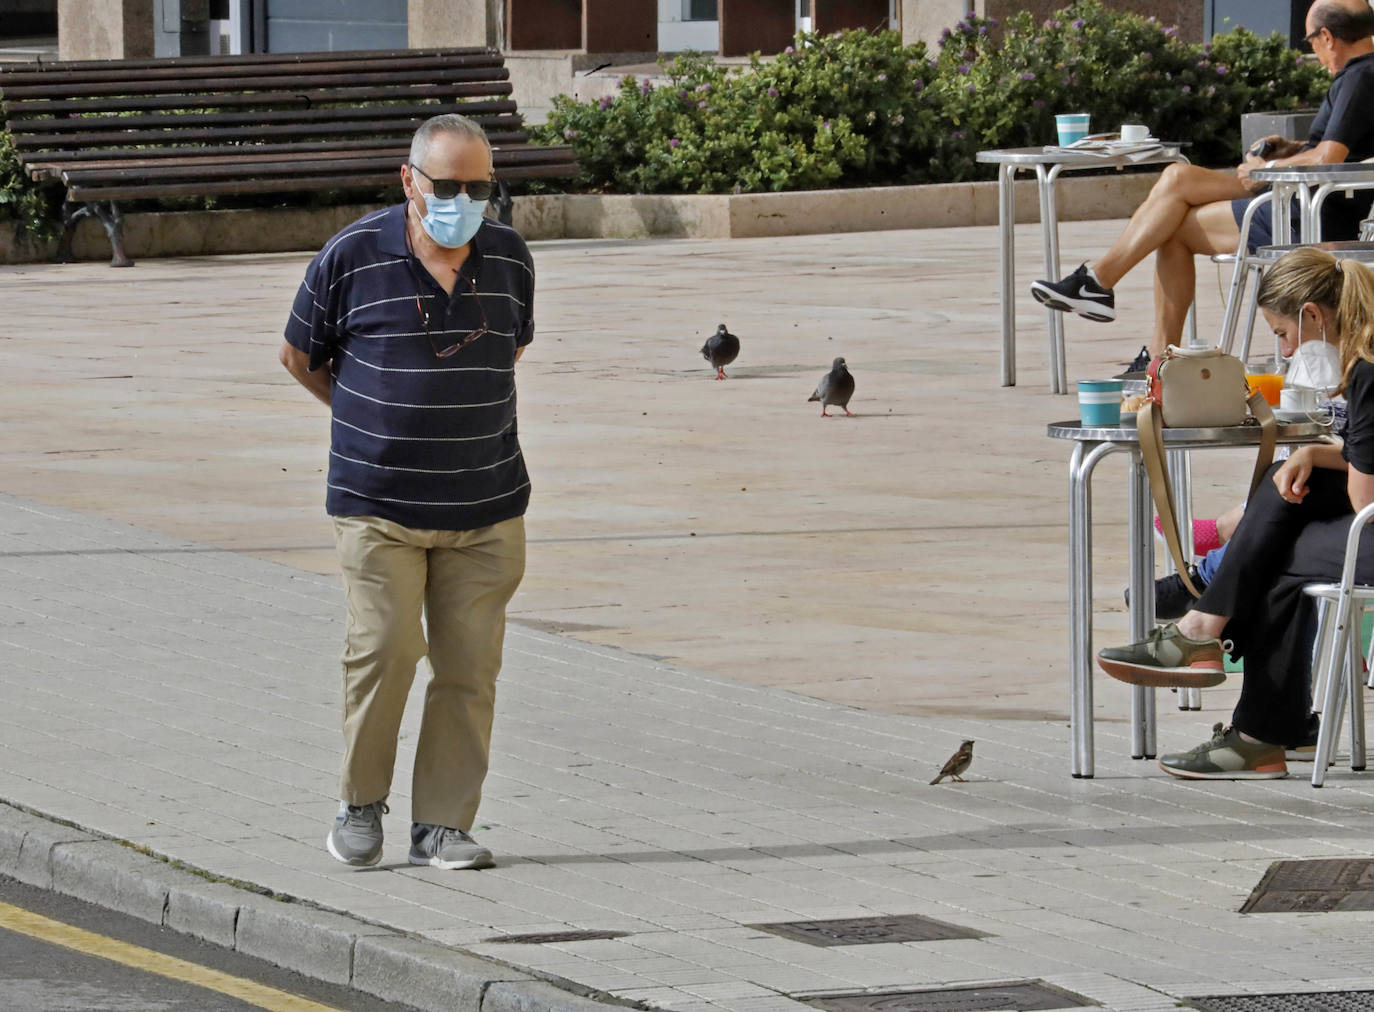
pixel 720 349
pixel 835 387
pixel 958 764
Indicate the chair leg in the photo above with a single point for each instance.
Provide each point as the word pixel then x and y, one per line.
pixel 1320 646
pixel 1228 325
pixel 1252 309
pixel 1355 694
pixel 1332 631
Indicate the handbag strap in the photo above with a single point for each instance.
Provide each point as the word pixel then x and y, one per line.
pixel 1150 426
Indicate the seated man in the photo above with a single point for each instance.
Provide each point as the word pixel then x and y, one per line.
pixel 1193 210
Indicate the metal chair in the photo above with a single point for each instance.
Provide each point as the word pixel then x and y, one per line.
pixel 1339 658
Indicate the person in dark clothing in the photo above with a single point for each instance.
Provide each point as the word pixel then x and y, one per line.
pixel 1293 533
pixel 1192 210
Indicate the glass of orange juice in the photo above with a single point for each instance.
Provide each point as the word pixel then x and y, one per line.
pixel 1267 383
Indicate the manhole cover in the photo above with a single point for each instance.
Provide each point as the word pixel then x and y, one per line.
pixel 870 930
pixel 1325 1001
pixel 542 938
pixel 1314 886
pixel 1020 996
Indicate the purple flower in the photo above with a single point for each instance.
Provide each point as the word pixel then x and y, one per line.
pixel 962 26
pixel 825 125
pixel 945 34
pixel 682 94
pixel 789 49
pixel 1187 89
pixel 1054 24
pixel 605 102
pixel 1079 23
pixel 992 22
pixel 1221 70
pixel 569 135
pixel 1039 103
pixel 673 142
pixel 963 68
pixel 932 63
pixel 1211 90
pixel 958 135
pixel 701 105
pixel 972 88
pixel 1207 48
pixel 704 87
pixel 1171 31
pixel 882 77
pixel 982 29
pixel 772 92
pixel 917 85
pixel 1028 76
pixel 646 87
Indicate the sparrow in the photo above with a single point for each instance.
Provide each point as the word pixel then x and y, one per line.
pixel 957 764
pixel 835 387
pixel 720 349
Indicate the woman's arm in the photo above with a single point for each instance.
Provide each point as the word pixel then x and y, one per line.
pixel 1291 478
pixel 1360 487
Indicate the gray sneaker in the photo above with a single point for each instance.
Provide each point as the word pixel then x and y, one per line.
pixel 1167 659
pixel 442 847
pixel 356 838
pixel 1227 757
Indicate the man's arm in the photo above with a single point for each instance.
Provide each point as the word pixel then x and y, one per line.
pixel 1325 153
pixel 297 363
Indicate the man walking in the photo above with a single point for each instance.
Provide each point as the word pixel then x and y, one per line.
pixel 408 325
pixel 1192 210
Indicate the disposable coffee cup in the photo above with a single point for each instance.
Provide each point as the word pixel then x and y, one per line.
pixel 1072 126
pixel 1099 402
pixel 1134 132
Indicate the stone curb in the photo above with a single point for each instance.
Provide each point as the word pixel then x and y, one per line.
pixel 616 216
pixel 319 943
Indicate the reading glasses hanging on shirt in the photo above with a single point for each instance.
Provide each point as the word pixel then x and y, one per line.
pixel 472 335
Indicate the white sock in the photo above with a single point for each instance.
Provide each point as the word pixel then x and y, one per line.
pixel 1093 274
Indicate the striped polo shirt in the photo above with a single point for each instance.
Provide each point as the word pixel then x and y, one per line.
pixel 423 441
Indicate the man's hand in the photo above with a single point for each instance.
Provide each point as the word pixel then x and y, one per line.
pixel 1243 172
pixel 1291 477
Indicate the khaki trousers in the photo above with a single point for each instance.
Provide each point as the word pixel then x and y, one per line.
pixel 461 581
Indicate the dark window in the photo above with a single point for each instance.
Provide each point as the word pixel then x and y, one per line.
pixel 702 10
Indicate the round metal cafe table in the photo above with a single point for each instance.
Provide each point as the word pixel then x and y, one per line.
pixel 1091 444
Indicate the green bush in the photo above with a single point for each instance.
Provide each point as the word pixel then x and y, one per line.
pixel 858 108
pixel 35 206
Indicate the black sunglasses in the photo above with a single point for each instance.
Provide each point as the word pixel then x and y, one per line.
pixel 471 336
pixel 447 189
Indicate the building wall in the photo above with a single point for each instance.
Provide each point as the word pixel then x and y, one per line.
pixel 926 19
pixel 104 29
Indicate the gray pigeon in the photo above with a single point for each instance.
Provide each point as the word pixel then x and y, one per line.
pixel 720 349
pixel 835 387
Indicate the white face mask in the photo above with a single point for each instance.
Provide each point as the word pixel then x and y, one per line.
pixel 1314 364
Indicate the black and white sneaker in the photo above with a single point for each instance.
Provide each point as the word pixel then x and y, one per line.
pixel 1077 293
pixel 1139 367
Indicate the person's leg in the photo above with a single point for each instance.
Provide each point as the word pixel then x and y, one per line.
pixel 472 577
pixel 1208 229
pixel 384 577
pixel 1180 189
pixel 1229 521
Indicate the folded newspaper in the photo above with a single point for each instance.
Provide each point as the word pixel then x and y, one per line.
pixel 1110 146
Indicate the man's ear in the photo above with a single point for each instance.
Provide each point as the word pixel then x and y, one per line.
pixel 407 181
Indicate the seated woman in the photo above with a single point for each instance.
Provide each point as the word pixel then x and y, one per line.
pixel 1293 533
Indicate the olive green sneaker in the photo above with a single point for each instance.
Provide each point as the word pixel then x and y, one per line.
pixel 1227 757
pixel 1167 659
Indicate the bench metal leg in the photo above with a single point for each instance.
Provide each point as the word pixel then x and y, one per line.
pixel 108 214
pixel 505 204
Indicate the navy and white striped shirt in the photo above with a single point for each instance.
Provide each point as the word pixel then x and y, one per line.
pixel 423 441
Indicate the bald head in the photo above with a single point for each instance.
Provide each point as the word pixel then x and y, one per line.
pixel 1346 20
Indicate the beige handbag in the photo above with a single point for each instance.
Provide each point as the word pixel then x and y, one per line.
pixel 1196 388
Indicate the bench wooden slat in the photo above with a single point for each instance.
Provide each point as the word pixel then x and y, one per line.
pixel 58 88
pixel 174 121
pixel 396 127
pixel 232 69
pixel 43 64
pixel 20 110
pixel 274 184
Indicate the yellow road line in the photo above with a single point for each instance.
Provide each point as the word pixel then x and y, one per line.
pixel 47 930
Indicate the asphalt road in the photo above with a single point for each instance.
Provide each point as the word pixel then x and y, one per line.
pixel 38 974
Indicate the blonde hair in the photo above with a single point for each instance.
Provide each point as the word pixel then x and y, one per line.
pixel 1345 287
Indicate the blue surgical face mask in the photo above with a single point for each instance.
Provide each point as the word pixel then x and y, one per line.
pixel 451 223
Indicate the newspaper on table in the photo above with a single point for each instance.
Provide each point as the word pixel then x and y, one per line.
pixel 1109 146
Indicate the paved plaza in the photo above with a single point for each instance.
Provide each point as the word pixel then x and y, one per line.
pixel 748 637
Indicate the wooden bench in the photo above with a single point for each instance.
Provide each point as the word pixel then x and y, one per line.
pixel 119 130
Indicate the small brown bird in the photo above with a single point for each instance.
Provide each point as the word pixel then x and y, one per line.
pixel 958 764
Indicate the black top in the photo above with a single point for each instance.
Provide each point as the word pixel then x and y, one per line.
pixel 1345 117
pixel 423 441
pixel 1358 450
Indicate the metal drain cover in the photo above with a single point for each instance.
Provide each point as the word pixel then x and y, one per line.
pixel 1314 887
pixel 1324 1001
pixel 870 930
pixel 1019 996
pixel 543 938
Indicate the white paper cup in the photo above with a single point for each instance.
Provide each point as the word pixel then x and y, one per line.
pixel 1134 132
